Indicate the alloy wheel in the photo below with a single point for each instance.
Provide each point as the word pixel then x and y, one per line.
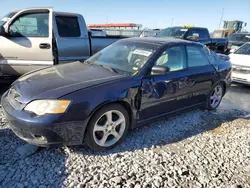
pixel 216 96
pixel 109 128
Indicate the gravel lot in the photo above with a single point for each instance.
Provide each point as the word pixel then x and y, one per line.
pixel 194 149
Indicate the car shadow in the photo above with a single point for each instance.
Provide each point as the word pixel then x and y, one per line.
pixel 45 167
pixel 168 131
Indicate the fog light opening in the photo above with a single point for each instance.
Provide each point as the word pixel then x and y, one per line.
pixel 40 137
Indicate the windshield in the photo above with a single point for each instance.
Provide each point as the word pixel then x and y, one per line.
pixel 244 50
pixel 124 57
pixel 173 32
pixel 240 38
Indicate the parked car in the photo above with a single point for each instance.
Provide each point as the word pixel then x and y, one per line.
pixel 198 34
pixel 238 39
pixel 35 38
pixel 124 85
pixel 241 64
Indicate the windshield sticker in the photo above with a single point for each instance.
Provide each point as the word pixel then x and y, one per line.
pixel 135 68
pixel 135 73
pixel 184 29
pixel 142 52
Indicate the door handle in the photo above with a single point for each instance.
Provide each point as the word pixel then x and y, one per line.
pixel 44 46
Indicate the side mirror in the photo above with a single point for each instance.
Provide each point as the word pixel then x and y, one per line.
pixel 232 50
pixel 159 70
pixel 193 38
pixel 2 31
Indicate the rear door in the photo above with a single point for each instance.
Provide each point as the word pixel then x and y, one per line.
pixel 71 35
pixel 202 73
pixel 29 44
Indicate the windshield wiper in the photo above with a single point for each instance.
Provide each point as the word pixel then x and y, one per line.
pixel 109 68
pixel 103 66
pixel 86 61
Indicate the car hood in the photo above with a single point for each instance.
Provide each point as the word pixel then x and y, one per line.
pixel 236 43
pixel 60 80
pixel 240 60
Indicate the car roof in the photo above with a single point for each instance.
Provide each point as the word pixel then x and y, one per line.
pixel 158 40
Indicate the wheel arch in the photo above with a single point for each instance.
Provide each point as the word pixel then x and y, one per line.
pixel 124 103
pixel 224 85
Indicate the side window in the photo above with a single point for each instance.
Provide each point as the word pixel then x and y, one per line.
pixel 68 26
pixel 173 58
pixel 203 34
pixel 210 55
pixel 196 57
pixel 193 32
pixel 30 25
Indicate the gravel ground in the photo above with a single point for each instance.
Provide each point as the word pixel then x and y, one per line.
pixel 194 149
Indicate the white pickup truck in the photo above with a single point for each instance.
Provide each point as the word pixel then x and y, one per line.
pixel 39 37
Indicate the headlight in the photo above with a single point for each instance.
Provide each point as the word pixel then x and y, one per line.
pixel 41 107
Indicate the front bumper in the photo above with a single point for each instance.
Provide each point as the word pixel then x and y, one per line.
pixel 46 130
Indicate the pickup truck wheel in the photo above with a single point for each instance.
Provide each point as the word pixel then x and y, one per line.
pixel 107 127
pixel 215 96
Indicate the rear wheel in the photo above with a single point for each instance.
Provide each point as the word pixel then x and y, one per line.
pixel 215 97
pixel 107 127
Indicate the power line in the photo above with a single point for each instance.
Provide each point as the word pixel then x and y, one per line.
pixel 172 22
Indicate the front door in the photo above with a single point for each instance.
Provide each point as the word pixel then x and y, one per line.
pixel 162 94
pixel 28 45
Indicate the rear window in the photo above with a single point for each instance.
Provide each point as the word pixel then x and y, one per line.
pixel 196 58
pixel 68 26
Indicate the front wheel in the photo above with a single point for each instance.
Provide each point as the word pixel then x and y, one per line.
pixel 215 97
pixel 107 127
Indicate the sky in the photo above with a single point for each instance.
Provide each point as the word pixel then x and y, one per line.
pixel 149 13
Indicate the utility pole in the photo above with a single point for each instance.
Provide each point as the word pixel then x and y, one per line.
pixel 221 17
pixel 172 22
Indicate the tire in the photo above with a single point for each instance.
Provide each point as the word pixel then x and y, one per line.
pixel 104 124
pixel 217 90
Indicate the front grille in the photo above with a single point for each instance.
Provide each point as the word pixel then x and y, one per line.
pixel 239 79
pixel 241 70
pixel 15 99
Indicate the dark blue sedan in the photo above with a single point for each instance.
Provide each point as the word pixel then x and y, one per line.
pixel 126 84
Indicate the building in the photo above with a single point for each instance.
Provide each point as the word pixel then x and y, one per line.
pixel 119 26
